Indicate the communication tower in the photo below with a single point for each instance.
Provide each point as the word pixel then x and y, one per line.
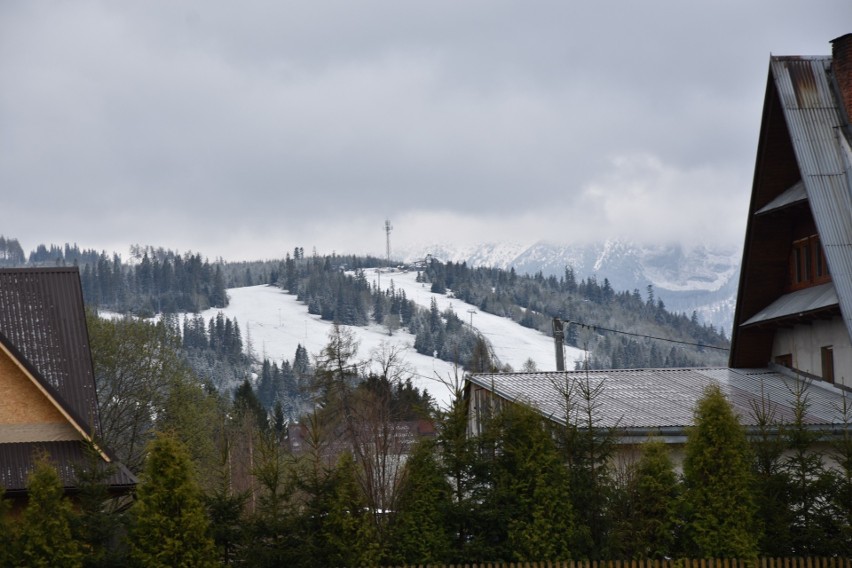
pixel 388 229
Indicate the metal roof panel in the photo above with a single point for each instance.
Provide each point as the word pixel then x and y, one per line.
pixel 663 398
pixel 798 302
pixel 43 319
pixel 823 154
pixel 791 196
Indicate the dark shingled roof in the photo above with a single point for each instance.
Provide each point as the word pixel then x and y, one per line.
pixel 43 326
pixel 17 460
pixel 43 322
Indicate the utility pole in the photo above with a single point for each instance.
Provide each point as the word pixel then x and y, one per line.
pixel 471 311
pixel 558 341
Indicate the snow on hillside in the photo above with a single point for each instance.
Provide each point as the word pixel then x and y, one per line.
pixel 274 323
pixel 512 343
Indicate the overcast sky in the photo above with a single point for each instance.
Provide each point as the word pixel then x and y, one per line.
pixel 243 129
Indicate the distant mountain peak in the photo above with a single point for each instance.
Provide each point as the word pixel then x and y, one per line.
pixel 697 277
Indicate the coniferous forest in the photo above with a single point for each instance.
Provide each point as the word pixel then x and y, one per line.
pixel 373 474
pixel 157 280
pixel 314 461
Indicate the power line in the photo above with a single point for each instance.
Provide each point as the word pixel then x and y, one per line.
pixel 645 336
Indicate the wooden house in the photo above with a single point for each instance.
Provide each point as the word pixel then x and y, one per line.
pixel 794 306
pixel 48 402
pixel 793 320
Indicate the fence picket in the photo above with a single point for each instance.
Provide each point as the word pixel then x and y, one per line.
pixel 760 562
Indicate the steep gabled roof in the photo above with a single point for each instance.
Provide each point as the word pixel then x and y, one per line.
pixel 815 121
pixel 803 163
pixel 43 326
pixel 43 331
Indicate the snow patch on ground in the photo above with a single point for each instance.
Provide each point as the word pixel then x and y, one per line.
pixel 273 323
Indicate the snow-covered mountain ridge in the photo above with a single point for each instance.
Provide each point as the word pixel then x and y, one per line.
pixel 697 278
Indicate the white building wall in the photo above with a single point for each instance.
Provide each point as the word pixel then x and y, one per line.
pixel 805 342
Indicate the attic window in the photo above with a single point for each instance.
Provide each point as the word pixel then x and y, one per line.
pixel 807 263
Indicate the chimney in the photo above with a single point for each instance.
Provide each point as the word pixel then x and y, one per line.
pixel 841 65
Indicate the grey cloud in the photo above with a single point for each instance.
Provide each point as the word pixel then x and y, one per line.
pixel 247 124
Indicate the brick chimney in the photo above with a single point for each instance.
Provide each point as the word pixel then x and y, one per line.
pixel 841 65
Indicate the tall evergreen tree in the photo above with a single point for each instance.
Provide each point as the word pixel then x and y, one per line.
pixel 7 532
pixel 718 500
pixel 44 535
pixel 420 529
pixel 842 496
pixel 463 466
pixel 772 483
pixel 814 529
pixel 348 530
pixel 647 515
pixel 588 448
pixel 170 525
pixel 100 520
pixel 530 489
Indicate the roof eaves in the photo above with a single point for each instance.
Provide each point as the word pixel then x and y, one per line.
pixel 792 196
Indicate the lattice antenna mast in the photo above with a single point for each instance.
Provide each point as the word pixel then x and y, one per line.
pixel 388 229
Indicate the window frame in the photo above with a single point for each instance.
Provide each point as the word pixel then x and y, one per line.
pixel 826 353
pixel 808 266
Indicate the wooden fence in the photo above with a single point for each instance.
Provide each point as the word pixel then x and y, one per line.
pixel 672 563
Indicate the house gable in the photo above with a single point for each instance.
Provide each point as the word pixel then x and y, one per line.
pixel 798 234
pixel 49 405
pixel 27 413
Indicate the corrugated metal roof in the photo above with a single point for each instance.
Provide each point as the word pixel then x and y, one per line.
pixel 824 157
pixel 43 321
pixel 653 399
pixel 793 195
pixel 17 461
pixel 798 302
pixel 43 326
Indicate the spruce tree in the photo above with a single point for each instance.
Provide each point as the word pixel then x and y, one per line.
pixel 719 503
pixel 463 465
pixel 772 484
pixel 842 497
pixel 532 488
pixel 100 521
pixel 814 528
pixel 170 525
pixel 588 448
pixel 647 508
pixel 348 531
pixel 44 535
pixel 7 532
pixel 420 530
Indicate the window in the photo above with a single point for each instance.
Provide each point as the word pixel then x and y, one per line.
pixel 828 363
pixel 807 263
pixel 785 360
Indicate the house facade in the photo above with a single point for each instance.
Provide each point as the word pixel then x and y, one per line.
pixel 48 402
pixel 794 305
pixel 793 320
